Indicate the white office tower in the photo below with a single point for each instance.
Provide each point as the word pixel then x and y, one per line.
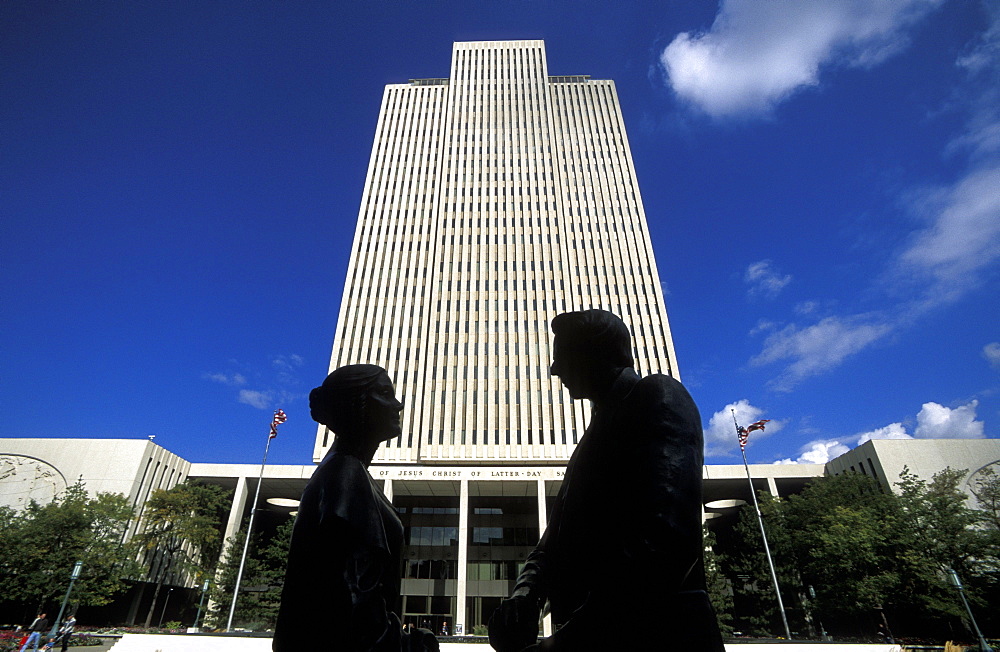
pixel 495 199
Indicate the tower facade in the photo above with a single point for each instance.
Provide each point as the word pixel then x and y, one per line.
pixel 495 199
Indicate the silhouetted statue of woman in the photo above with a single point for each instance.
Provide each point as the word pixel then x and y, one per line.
pixel 343 574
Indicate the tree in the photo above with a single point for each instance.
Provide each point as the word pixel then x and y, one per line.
pixel 864 550
pixel 835 536
pixel 181 532
pixel 720 592
pixel 755 602
pixel 943 533
pixel 260 587
pixel 985 487
pixel 42 543
pixel 845 545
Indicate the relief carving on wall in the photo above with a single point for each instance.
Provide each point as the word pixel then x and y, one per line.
pixel 24 478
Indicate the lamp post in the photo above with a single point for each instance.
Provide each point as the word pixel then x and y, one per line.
pixel 165 603
pixel 885 623
pixel 73 576
pixel 204 587
pixel 812 598
pixel 983 645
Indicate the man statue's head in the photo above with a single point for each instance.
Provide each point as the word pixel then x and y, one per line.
pixel 590 349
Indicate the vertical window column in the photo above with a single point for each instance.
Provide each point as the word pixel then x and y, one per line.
pixel 543 519
pixel 463 557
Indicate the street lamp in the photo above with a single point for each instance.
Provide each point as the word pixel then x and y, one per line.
pixel 72 578
pixel 165 603
pixel 983 645
pixel 204 587
pixel 822 630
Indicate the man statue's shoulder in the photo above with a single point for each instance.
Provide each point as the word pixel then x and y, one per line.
pixel 663 395
pixel 662 386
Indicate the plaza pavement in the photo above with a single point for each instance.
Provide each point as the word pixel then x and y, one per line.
pixel 180 643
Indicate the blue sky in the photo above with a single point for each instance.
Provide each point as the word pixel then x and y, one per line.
pixel 179 184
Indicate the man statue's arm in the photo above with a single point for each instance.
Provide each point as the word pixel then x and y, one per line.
pixel 531 582
pixel 514 625
pixel 372 626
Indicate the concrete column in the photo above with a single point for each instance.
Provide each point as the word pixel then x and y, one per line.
pixel 237 508
pixel 387 488
pixel 772 486
pixel 463 557
pixel 232 526
pixel 543 519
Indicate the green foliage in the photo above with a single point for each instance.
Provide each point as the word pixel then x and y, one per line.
pixel 845 542
pixel 986 489
pixel 480 630
pixel 864 550
pixel 719 590
pixel 754 587
pixel 985 579
pixel 943 527
pixel 181 531
pixel 256 609
pixel 42 543
pixel 188 513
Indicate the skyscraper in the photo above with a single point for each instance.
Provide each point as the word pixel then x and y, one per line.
pixel 495 199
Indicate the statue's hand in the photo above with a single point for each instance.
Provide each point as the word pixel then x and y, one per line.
pixel 419 640
pixel 514 625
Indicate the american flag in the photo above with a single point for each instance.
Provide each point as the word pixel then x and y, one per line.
pixel 744 433
pixel 279 418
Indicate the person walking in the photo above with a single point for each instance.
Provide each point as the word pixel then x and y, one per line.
pixel 64 634
pixel 38 625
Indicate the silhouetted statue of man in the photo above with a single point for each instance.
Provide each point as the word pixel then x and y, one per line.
pixel 620 563
pixel 343 573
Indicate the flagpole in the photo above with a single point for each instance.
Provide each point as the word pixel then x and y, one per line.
pixel 253 512
pixel 763 534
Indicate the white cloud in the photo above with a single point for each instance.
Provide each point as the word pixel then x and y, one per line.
pixel 757 54
pixel 945 259
pixel 992 354
pixel 819 451
pixel 963 237
pixel 259 400
pixel 764 280
pixel 819 347
pixel 235 379
pixel 891 431
pixel 982 135
pixel 720 435
pixel 935 421
pixel 806 307
pixel 762 326
pixel 287 362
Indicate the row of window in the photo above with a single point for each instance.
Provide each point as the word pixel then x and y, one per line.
pixel 431 569
pixel 553 79
pixel 430 535
pixel 494 570
pixel 447 569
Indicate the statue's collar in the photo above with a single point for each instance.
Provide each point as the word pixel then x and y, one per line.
pixel 620 388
